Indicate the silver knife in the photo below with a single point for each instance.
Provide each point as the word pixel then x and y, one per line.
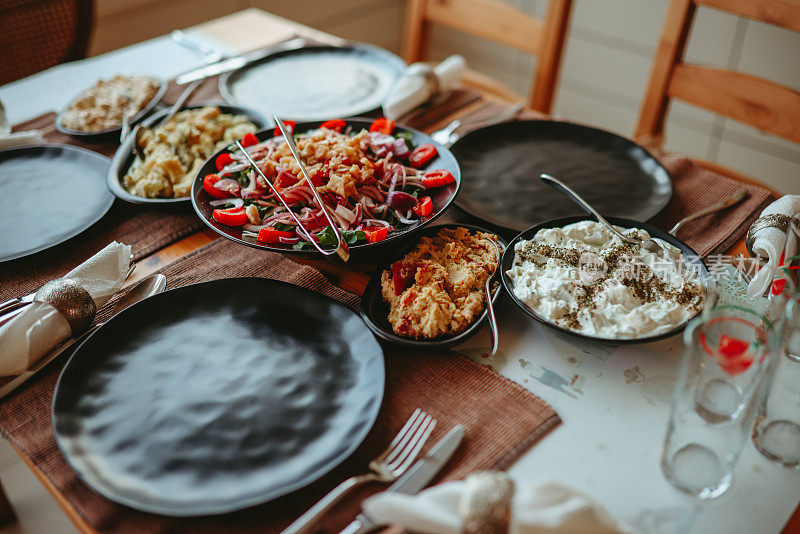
pixel 417 477
pixel 237 62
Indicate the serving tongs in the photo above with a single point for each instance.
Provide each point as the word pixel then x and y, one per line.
pixel 341 247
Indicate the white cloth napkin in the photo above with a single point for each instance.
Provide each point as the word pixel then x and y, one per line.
pixel 770 243
pixel 414 88
pixel 40 328
pixel 10 140
pixel 543 509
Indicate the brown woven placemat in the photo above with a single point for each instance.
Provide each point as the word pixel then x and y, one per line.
pixel 502 419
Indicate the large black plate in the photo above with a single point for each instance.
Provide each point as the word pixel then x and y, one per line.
pixel 441 196
pixel 692 262
pixel 49 194
pixel 375 310
pixel 501 165
pixel 315 82
pixel 123 157
pixel 217 396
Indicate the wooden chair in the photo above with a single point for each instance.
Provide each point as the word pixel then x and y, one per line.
pixel 766 105
pixel 38 34
pixel 500 22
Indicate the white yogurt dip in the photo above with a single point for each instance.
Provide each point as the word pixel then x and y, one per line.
pixel 584 278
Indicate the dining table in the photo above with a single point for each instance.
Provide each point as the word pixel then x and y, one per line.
pixel 613 399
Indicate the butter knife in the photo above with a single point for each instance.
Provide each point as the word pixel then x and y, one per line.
pixel 416 478
pixel 237 62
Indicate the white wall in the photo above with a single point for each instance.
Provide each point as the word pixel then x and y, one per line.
pixel 606 67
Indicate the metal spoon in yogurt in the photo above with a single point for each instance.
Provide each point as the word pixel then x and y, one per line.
pixel 650 244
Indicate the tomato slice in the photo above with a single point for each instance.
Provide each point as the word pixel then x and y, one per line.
pixel 424 207
pixel 437 178
pixel 731 347
pixel 403 276
pixel 284 180
pixel 231 216
pixel 382 125
pixel 422 155
pixel 208 185
pixel 289 126
pixel 376 233
pixel 778 286
pixel 249 139
pixel 223 160
pixel 336 125
pixel 271 235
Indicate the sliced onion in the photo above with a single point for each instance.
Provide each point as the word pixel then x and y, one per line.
pixel 289 240
pixel 345 213
pixel 399 200
pixel 237 202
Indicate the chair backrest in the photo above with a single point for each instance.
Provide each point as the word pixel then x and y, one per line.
pixel 761 103
pixel 38 34
pixel 500 22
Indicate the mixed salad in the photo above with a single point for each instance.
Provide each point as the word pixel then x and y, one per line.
pixel 373 182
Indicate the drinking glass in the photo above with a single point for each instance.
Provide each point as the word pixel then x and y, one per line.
pixel 776 433
pixel 727 356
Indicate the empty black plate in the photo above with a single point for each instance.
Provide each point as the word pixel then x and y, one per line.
pixel 501 164
pixel 315 82
pixel 375 310
pixel 217 396
pixel 49 194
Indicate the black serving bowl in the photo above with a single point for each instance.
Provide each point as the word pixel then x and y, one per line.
pixel 442 197
pixel 109 133
pixel 124 157
pixel 375 310
pixel 692 262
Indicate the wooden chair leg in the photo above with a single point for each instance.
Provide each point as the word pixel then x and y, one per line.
pixel 7 514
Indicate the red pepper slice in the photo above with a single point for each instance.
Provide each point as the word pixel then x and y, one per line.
pixel 271 235
pixel 437 178
pixel 424 207
pixel 382 125
pixel 289 126
pixel 778 286
pixel 284 180
pixel 376 233
pixel 208 185
pixel 231 216
pixel 422 155
pixel 731 347
pixel 336 125
pixel 403 276
pixel 249 139
pixel 223 160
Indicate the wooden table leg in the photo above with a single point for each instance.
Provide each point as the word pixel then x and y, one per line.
pixel 7 514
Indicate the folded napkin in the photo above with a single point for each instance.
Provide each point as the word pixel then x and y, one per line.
pixel 39 328
pixel 540 509
pixel 10 140
pixel 771 242
pixel 420 83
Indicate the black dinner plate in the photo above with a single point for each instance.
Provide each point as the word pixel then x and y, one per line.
pixel 375 310
pixel 441 196
pixel 110 132
pixel 501 164
pixel 692 262
pixel 124 157
pixel 315 82
pixel 217 396
pixel 48 194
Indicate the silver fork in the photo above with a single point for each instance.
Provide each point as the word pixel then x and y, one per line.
pixel 447 136
pixel 387 467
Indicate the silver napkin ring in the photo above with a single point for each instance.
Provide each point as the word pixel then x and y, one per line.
pixel 485 506
pixel 777 220
pixel 71 300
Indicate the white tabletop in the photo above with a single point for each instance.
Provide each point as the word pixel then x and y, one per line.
pixel 613 400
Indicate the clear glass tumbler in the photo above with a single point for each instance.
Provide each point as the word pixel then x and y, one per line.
pixel 776 433
pixel 727 356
